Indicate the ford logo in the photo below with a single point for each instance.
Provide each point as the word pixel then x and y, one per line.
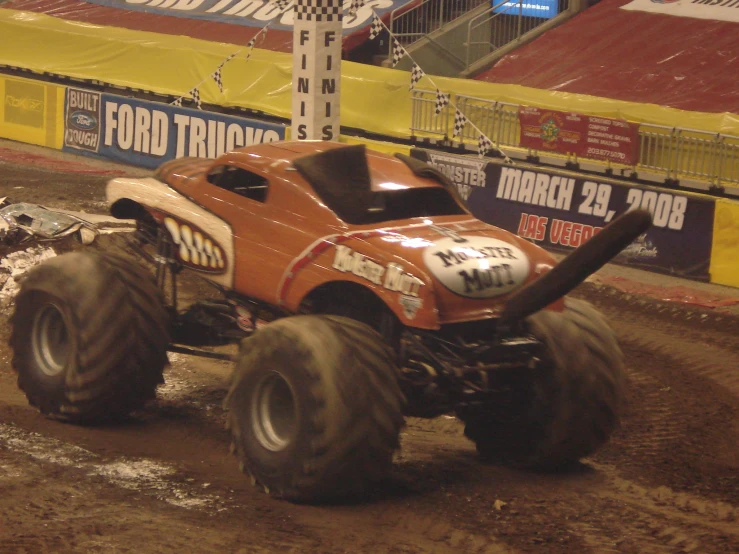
pixel 83 121
pixel 477 267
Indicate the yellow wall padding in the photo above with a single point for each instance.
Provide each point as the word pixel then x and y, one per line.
pixel 31 111
pixel 725 250
pixel 373 99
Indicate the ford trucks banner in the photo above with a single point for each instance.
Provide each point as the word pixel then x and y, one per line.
pixel 597 138
pixel 146 134
pixel 562 210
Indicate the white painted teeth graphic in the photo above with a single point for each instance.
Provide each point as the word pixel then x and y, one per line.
pixel 193 247
pixel 185 249
pixel 173 229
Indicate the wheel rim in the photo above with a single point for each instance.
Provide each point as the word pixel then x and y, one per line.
pixel 274 413
pixel 50 340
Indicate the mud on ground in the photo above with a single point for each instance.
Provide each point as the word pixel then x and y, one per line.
pixel 166 482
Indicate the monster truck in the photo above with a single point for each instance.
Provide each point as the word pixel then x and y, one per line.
pixel 360 290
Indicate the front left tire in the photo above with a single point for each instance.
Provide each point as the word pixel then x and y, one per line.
pixel 89 337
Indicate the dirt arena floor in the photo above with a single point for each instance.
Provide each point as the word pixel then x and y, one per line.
pixel 165 482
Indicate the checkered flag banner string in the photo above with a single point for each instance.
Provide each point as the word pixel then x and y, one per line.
pixel 416 75
pixel 356 4
pixel 217 78
pixel 398 52
pixel 483 145
pixel 459 122
pixel 195 94
pixel 441 101
pixel 178 102
pixel 282 4
pixel 250 46
pixel 376 27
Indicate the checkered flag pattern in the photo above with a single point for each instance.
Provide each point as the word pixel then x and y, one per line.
pixel 441 101
pixel 459 122
pixel 416 75
pixel 217 78
pixel 250 46
pixel 483 145
pixel 282 4
pixel 376 27
pixel 319 10
pixel 356 4
pixel 398 52
pixel 178 102
pixel 195 94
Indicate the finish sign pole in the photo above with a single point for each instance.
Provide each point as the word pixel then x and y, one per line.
pixel 317 33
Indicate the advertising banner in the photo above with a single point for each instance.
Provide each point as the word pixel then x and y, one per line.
pixel 82 120
pixel 561 211
pixel 146 134
pixel 598 138
pixel 252 13
pixel 29 111
pixel 544 9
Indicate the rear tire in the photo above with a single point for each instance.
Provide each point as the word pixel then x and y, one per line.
pixel 571 403
pixel 89 337
pixel 315 408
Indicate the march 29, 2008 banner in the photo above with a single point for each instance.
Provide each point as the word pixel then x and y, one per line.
pixel 561 210
pixel 146 134
pixel 596 138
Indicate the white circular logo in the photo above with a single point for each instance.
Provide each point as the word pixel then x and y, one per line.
pixel 477 267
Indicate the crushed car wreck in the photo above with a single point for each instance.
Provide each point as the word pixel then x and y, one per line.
pixel 360 290
pixel 22 223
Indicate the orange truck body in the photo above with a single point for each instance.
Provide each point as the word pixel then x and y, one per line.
pixel 430 270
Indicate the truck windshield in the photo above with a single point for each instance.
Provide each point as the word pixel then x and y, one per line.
pixel 392 205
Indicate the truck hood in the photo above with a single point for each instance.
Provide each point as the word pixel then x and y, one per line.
pixel 471 267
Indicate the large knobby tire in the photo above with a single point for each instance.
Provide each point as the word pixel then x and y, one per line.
pixel 315 408
pixel 89 337
pixel 566 407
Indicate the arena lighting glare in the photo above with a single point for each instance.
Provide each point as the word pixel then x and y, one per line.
pixel 392 186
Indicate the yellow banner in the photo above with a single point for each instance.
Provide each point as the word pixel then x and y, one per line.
pixel 724 259
pixel 373 99
pixel 32 111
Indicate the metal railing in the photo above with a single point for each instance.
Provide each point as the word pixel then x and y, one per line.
pixel 506 22
pixel 411 24
pixel 673 152
pixel 424 119
pixel 689 153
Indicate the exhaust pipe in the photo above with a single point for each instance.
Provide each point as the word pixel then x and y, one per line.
pixel 576 266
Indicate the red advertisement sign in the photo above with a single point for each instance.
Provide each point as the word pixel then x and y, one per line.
pixel 598 138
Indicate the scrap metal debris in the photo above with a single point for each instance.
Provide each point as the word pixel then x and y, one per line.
pixel 14 265
pixel 30 232
pixel 22 223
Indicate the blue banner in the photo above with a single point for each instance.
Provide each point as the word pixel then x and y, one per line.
pixel 146 134
pixel 561 211
pixel 544 9
pixel 252 13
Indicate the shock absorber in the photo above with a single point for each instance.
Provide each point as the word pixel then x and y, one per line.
pixel 166 263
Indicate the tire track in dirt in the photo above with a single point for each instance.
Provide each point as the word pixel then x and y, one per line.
pixel 659 423
pixel 674 520
pixel 619 516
